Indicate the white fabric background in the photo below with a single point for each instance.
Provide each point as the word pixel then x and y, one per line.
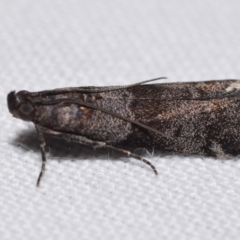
pixel 88 194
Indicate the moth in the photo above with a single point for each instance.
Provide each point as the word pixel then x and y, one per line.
pixel 192 118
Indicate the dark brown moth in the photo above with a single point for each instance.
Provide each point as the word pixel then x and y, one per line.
pixel 192 118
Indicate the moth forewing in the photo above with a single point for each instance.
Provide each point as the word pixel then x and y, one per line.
pixel 193 118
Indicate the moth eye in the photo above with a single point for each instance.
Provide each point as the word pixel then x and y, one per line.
pixel 26 108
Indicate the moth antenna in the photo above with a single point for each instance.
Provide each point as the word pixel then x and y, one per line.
pixel 94 89
pixel 138 83
pixel 146 81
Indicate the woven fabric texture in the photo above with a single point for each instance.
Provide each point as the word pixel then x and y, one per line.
pixel 87 194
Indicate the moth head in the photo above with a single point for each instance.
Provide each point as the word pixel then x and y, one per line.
pixel 20 106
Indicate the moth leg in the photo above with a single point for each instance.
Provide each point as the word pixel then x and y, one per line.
pixel 133 155
pixel 43 151
pixel 95 144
